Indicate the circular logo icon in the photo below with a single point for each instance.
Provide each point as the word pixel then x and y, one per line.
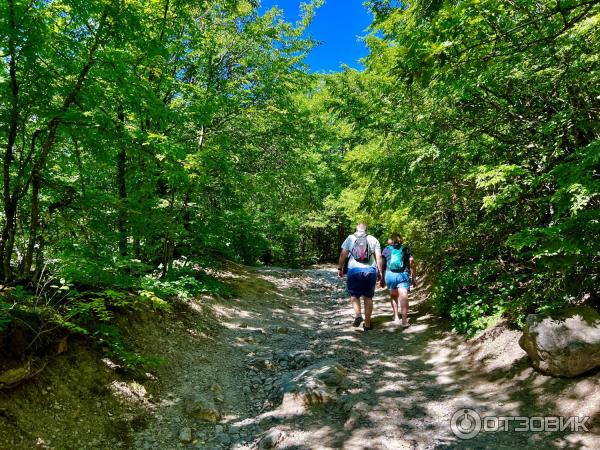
pixel 465 423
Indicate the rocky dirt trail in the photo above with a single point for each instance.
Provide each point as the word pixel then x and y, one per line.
pixel 278 365
pixel 287 370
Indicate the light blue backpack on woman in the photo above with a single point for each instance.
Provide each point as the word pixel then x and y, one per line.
pixel 396 258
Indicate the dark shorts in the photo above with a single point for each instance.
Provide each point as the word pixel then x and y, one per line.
pixel 361 282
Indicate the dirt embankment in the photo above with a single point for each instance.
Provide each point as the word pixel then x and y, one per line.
pixel 280 365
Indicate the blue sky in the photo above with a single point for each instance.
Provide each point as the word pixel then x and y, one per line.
pixel 338 24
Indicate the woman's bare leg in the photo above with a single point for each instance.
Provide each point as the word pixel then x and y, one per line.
pixel 403 297
pixel 394 302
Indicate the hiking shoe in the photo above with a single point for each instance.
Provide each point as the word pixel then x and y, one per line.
pixel 357 321
pixel 405 325
pixel 366 328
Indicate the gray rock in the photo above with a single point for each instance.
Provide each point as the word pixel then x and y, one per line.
pixel 271 439
pixel 302 354
pixel 185 434
pixel 317 384
pixel 565 343
pixel 202 406
pixel 263 364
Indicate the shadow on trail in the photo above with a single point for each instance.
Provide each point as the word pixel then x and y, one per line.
pixel 408 382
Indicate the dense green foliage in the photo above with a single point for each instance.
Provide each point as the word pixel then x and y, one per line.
pixel 474 129
pixel 144 139
pixel 140 135
pixel 143 131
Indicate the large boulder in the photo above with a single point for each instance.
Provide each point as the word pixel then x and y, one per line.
pixel 271 439
pixel 565 343
pixel 317 384
pixel 202 406
pixel 12 377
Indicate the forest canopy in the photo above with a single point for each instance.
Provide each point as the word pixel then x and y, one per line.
pixel 150 130
pixel 140 136
pixel 474 129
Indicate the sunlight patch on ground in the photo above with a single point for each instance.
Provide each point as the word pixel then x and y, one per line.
pixel 343 340
pixel 196 306
pixel 315 439
pixel 444 379
pixel 425 318
pixel 407 358
pixel 223 311
pixel 414 329
pixel 110 364
pixel 361 436
pixel 391 388
pixel 131 392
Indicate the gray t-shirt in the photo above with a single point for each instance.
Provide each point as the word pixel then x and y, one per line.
pixel 373 247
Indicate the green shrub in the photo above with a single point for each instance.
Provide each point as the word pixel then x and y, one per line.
pixel 474 294
pixel 93 314
pixel 183 283
pixel 94 271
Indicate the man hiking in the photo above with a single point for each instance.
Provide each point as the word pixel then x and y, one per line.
pixel 364 258
pixel 399 273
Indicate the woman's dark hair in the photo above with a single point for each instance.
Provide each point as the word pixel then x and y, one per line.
pixel 396 237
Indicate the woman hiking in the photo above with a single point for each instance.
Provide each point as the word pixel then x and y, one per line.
pixel 399 274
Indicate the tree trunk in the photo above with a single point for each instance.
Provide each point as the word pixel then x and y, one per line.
pixel 137 248
pixel 65 202
pixel 121 166
pixel 167 254
pixel 10 202
pixel 36 184
pixel 40 162
pixel 187 215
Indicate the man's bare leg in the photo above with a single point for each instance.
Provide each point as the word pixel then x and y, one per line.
pixel 394 302
pixel 357 314
pixel 403 297
pixel 368 311
pixel 356 305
